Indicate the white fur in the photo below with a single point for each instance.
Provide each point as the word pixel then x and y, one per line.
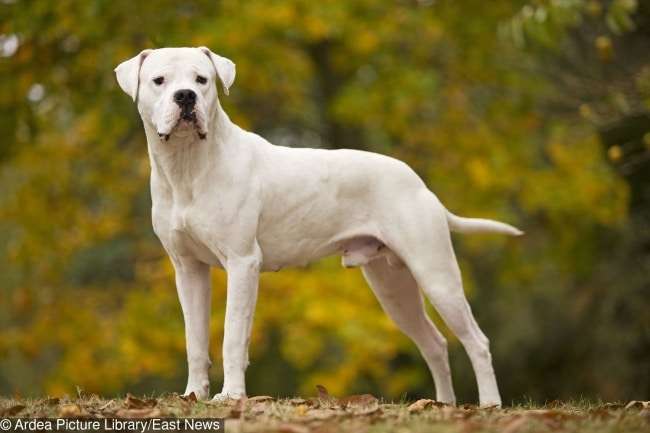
pixel 235 201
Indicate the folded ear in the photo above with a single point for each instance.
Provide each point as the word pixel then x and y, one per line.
pixel 225 68
pixel 128 74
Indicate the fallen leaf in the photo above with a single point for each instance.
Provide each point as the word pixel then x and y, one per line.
pixel 358 400
pixel 420 405
pixel 132 402
pixel 373 409
pixel 636 404
pixel 261 398
pixel 189 398
pixel 323 394
pixel 613 406
pixel 12 410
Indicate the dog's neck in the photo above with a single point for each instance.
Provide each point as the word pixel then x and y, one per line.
pixel 180 163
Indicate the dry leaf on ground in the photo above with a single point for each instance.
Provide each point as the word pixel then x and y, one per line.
pixel 13 410
pixel 324 395
pixel 312 402
pixel 132 402
pixel 420 405
pixel 261 398
pixel 367 410
pixel 358 400
pixel 612 406
pixel 636 404
pixel 190 398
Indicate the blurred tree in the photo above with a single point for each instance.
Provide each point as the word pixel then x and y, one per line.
pixel 88 296
pixel 593 53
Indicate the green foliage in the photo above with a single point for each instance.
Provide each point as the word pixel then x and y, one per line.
pixel 88 295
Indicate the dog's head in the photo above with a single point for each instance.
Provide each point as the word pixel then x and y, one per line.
pixel 175 88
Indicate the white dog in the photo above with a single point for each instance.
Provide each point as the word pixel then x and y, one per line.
pixel 226 197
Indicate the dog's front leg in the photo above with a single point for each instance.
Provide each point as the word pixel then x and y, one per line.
pixel 243 276
pixel 193 285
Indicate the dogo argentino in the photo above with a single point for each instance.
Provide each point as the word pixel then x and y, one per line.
pixel 226 197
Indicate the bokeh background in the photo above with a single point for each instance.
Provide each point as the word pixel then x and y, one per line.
pixel 532 112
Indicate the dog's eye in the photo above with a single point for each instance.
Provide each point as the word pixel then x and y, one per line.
pixel 159 80
pixel 201 79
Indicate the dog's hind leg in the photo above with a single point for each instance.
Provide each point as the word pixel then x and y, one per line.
pixel 400 297
pixel 421 239
pixel 446 294
pixel 438 275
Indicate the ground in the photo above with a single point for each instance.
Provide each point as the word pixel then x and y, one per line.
pixel 360 413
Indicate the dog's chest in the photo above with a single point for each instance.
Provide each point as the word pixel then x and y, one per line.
pixel 183 233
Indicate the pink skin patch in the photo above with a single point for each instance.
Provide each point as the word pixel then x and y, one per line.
pixel 361 251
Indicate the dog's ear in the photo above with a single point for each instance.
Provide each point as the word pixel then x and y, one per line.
pixel 128 74
pixel 225 68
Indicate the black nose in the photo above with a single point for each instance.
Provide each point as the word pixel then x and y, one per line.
pixel 185 98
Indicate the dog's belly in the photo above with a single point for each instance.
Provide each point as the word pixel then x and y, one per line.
pixel 299 238
pixel 276 257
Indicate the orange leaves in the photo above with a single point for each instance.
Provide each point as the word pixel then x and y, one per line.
pixel 132 402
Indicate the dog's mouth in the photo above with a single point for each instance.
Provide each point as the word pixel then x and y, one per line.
pixel 188 116
pixel 187 122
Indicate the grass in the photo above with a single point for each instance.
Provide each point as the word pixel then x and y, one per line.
pixel 351 414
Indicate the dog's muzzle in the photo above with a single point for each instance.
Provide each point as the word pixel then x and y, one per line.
pixel 186 100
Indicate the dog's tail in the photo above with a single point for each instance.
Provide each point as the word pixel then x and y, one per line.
pixel 479 225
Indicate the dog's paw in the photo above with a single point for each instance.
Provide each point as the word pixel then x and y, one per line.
pixel 201 392
pixel 494 404
pixel 225 396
